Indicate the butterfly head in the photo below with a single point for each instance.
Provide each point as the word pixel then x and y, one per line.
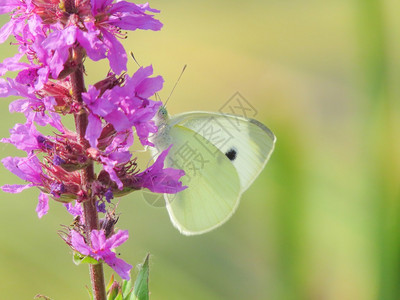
pixel 161 116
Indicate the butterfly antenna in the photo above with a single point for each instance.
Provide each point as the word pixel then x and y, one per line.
pixel 176 83
pixel 134 58
pixel 158 98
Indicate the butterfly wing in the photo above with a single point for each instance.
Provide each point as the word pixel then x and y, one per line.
pixel 247 143
pixel 221 156
pixel 213 191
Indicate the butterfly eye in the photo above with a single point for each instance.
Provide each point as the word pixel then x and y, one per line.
pixel 162 112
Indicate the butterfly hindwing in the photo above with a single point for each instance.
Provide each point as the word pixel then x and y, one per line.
pixel 213 191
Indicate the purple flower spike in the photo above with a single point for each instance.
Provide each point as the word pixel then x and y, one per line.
pixel 102 249
pixel 54 39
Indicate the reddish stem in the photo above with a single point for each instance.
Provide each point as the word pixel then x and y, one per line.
pixel 89 205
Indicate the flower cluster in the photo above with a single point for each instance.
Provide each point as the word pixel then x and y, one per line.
pixel 53 38
pixel 47 30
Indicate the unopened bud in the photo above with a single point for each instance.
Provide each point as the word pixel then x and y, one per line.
pixel 114 290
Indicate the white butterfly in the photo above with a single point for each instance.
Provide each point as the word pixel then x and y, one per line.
pixel 221 155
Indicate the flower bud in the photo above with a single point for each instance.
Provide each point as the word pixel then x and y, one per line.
pixel 68 154
pixel 114 290
pixel 61 185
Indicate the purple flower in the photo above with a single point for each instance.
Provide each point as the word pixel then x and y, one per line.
pixel 102 248
pixel 61 185
pixel 33 76
pixel 110 18
pixel 109 195
pixel 20 12
pixel 29 32
pixel 57 46
pixel 30 74
pixel 75 210
pixel 26 168
pixel 47 30
pixel 37 108
pixel 114 151
pixel 12 64
pixel 7 6
pixel 57 161
pixel 108 166
pixel 24 137
pixel 125 106
pixel 160 180
pixel 101 207
pixel 95 26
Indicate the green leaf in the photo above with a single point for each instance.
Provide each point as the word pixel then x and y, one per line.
pixel 141 288
pixel 126 288
pixel 119 297
pixel 108 287
pixel 78 259
pixel 113 293
pixel 90 292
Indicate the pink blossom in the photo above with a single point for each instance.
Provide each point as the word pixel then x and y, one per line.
pixel 125 106
pixel 102 248
pixel 159 179
pixel 24 137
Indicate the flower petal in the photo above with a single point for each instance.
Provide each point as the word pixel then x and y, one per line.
pixel 15 188
pixel 93 130
pixel 43 205
pixel 116 53
pixel 98 239
pixel 118 265
pixel 78 243
pixel 117 239
pixel 75 210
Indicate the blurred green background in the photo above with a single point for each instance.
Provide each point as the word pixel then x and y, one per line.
pixel 322 220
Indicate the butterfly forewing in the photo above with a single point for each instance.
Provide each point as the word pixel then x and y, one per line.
pixel 247 143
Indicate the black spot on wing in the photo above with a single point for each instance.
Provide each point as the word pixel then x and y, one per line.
pixel 231 154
